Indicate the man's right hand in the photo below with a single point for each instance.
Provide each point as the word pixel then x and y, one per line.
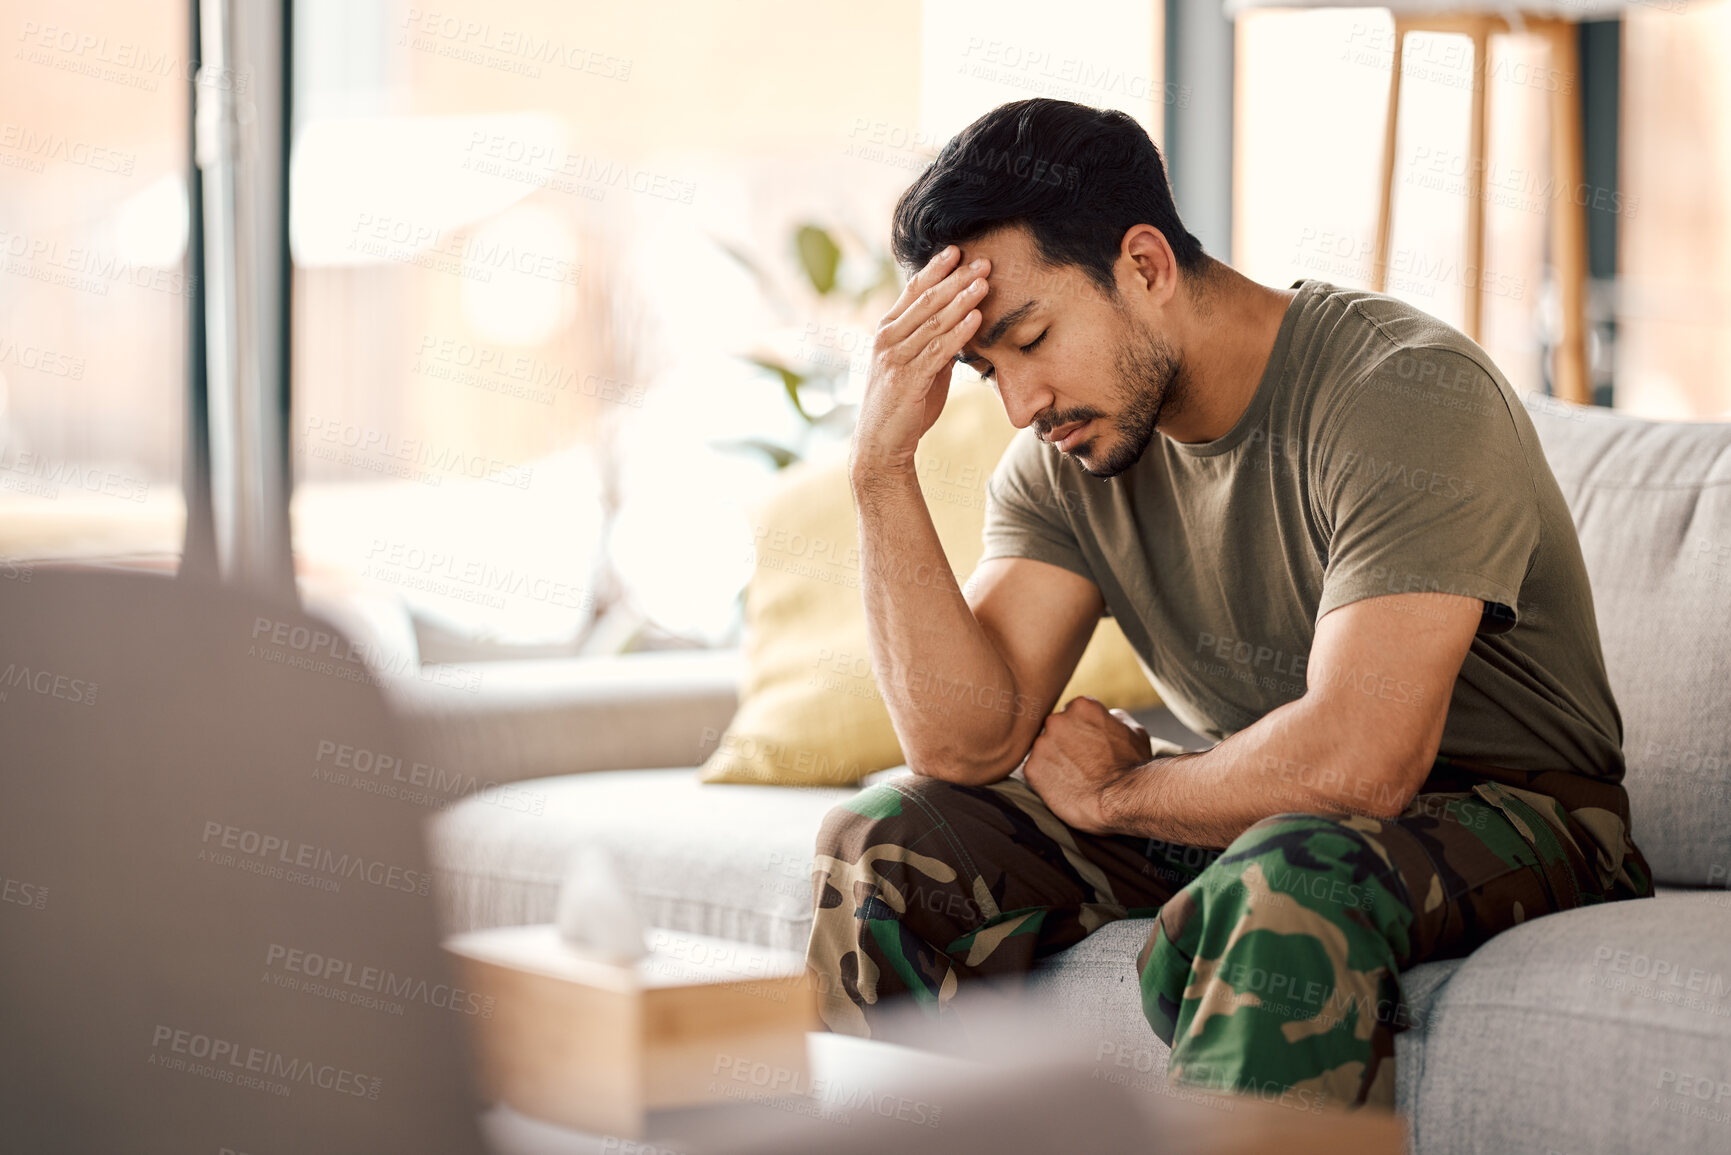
pixel 912 357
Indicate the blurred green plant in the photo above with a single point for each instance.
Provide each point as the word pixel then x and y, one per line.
pixel 833 277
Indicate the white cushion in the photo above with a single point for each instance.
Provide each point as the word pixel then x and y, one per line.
pixel 729 861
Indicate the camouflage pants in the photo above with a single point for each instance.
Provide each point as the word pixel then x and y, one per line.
pixel 1274 964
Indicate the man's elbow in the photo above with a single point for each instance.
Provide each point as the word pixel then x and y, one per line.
pixel 1388 806
pixel 1380 763
pixel 959 775
pixel 967 767
pixel 967 747
pixel 1385 793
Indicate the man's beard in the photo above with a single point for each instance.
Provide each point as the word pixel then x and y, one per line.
pixel 1149 386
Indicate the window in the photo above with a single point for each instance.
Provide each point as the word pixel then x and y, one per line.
pixel 524 394
pixel 94 288
pixel 1313 88
pixel 1674 299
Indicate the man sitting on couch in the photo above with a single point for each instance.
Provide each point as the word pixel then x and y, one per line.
pixel 1343 557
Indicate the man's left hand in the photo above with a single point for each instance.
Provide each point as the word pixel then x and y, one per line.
pixel 1084 755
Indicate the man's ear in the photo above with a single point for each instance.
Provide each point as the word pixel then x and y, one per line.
pixel 1150 265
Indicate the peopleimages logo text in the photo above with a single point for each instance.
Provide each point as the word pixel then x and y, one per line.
pixel 226 1057
pixel 377 980
pixel 306 856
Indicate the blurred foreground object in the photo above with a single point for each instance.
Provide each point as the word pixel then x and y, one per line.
pixel 231 941
pixel 1027 1081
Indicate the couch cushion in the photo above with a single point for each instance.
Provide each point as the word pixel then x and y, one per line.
pixel 1652 504
pixel 1601 1029
pixel 729 861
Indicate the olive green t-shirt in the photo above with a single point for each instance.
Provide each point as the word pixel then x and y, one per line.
pixel 1382 453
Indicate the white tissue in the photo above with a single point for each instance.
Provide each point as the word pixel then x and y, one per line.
pixel 595 913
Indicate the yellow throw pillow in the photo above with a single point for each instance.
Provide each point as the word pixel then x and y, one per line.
pixel 810 713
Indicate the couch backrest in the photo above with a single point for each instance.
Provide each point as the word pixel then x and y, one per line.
pixel 1652 504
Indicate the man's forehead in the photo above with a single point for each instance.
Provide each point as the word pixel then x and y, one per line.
pixel 1013 256
pixel 1019 274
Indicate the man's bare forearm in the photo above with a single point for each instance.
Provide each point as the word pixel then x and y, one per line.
pixel 1291 760
pixel 934 662
pixel 949 691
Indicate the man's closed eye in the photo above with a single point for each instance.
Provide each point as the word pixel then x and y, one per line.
pixel 988 371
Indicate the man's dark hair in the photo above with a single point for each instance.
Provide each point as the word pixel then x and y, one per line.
pixel 1076 177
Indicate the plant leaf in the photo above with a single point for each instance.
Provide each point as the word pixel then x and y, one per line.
pixel 780 456
pixel 819 255
pixel 790 380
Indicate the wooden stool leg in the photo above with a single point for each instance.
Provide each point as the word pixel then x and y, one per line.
pixel 1385 205
pixel 1473 272
pixel 1568 219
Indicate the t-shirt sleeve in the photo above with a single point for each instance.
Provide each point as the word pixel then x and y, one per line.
pixel 1425 482
pixel 1027 510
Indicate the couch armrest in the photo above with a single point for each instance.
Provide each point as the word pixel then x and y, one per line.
pixel 541 717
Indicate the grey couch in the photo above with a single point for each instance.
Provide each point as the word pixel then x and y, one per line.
pixel 1598 1030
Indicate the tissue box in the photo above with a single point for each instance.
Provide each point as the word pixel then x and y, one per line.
pixel 593 1044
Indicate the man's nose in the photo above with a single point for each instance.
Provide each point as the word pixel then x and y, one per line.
pixel 1023 403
